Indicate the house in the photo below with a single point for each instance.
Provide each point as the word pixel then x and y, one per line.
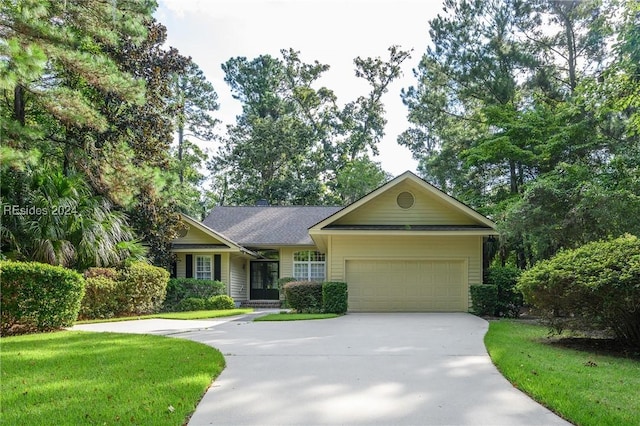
pixel 406 246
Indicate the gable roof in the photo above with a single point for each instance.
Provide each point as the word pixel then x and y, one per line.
pixel 226 241
pixel 260 226
pixel 482 222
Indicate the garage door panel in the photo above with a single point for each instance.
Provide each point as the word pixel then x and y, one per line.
pixel 407 285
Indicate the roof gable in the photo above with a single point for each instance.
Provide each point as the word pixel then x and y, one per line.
pixel 430 207
pixel 264 226
pixel 199 234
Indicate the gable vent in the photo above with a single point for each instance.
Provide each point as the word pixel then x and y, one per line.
pixel 405 200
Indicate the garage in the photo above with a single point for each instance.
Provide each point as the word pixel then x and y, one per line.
pixel 419 285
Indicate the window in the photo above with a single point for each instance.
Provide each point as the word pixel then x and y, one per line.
pixel 308 265
pixel 203 267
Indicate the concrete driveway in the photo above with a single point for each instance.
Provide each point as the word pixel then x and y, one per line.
pixel 359 369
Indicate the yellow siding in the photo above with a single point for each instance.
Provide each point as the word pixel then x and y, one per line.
pixel 181 271
pixel 239 279
pixel 286 259
pixel 196 236
pixel 428 209
pixel 405 247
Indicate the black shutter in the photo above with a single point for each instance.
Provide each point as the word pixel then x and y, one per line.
pixel 217 267
pixel 189 266
pixel 174 270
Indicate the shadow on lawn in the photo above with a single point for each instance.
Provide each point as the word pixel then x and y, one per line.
pixel 600 346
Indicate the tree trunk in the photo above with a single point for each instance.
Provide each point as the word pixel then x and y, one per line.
pixel 180 165
pixel 18 105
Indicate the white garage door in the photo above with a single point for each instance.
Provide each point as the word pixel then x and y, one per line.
pixel 407 285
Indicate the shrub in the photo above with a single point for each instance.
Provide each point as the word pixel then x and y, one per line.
pixel 334 297
pixel 110 273
pixel 179 289
pixel 38 297
pixel 100 298
pixel 192 304
pixel 596 286
pixel 484 298
pixel 509 299
pixel 143 287
pixel 304 296
pixel 220 302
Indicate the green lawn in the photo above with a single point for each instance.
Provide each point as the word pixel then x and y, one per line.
pixel 177 315
pixel 73 378
pixel 294 317
pixel 583 387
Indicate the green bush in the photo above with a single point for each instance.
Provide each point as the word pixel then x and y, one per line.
pixel 110 273
pixel 509 300
pixel 144 288
pixel 222 301
pixel 38 297
pixel 596 286
pixel 192 304
pixel 484 299
pixel 304 296
pixel 334 297
pixel 100 298
pixel 179 289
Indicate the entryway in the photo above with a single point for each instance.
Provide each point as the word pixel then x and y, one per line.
pixel 264 280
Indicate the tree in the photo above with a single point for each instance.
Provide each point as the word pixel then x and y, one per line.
pixel 503 107
pixel 293 139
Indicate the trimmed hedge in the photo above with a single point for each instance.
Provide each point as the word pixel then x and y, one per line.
pixel 304 296
pixel 137 289
pixel 596 286
pixel 100 298
pixel 484 299
pixel 37 297
pixel 334 297
pixel 192 304
pixel 509 299
pixel 179 289
pixel 144 288
pixel 219 302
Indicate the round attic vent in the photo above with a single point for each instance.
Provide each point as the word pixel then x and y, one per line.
pixel 405 200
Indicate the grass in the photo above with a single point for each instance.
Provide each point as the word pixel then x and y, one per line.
pixel 71 378
pixel 176 315
pixel 585 388
pixel 294 317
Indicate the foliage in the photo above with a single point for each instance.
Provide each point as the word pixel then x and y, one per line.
pixel 522 111
pixel 182 288
pixel 101 298
pixel 141 378
pixel 187 315
pixel 144 288
pixel 220 302
pixel 592 287
pixel 584 387
pixel 292 139
pixel 334 297
pixel 192 304
pixel 484 299
pixel 509 300
pixel 304 296
pixel 38 297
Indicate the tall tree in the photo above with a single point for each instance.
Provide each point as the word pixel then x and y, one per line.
pixel 292 138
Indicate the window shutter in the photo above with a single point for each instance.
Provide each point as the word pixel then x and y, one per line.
pixel 189 266
pixel 174 269
pixel 217 267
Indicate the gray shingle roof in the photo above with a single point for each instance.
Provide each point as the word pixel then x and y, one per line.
pixel 255 226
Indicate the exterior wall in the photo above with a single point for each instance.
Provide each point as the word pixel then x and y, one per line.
pixel 286 259
pixel 374 247
pixel 196 236
pixel 239 278
pixel 428 209
pixel 181 258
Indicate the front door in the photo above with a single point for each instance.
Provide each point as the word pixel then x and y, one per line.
pixel 264 280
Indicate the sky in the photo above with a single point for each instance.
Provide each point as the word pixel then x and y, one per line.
pixel 333 32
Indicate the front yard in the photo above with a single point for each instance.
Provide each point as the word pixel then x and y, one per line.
pixel 584 387
pixel 72 378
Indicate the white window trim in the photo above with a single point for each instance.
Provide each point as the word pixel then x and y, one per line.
pixel 210 271
pixel 308 264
